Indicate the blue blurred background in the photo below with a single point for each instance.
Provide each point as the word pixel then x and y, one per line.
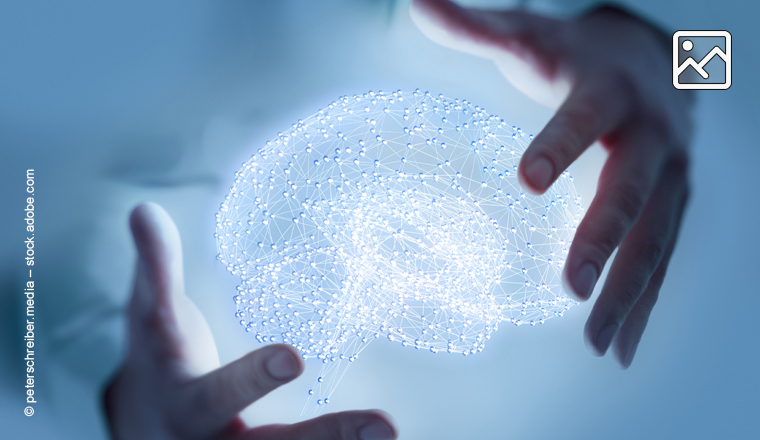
pixel 113 104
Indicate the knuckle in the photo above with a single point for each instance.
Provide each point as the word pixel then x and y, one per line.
pixel 599 240
pixel 627 202
pixel 568 139
pixel 603 245
pixel 655 282
pixel 593 246
pixel 592 109
pixel 627 297
pixel 583 115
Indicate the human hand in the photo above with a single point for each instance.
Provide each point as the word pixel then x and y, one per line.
pixel 171 387
pixel 611 73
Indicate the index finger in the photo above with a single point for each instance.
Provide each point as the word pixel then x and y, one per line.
pixel 593 109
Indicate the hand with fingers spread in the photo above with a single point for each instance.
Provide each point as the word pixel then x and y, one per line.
pixel 609 74
pixel 171 387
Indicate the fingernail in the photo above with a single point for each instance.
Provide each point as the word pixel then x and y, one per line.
pixel 282 365
pixel 540 172
pixel 603 339
pixel 629 357
pixel 584 280
pixel 376 431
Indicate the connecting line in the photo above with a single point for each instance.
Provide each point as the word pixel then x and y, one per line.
pixel 394 216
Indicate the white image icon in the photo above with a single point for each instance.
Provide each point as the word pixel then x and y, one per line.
pixel 699 61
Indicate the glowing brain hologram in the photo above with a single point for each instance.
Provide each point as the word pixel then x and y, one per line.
pixel 393 216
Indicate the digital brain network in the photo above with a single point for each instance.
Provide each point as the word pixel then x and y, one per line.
pixel 395 217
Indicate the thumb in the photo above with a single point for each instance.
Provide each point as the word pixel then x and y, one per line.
pixel 159 279
pixel 486 33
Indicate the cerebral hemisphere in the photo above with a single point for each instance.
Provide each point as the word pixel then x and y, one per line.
pixel 393 216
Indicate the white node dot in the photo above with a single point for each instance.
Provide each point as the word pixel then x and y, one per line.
pixel 394 216
pixel 687 45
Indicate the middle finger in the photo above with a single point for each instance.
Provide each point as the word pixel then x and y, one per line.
pixel 626 183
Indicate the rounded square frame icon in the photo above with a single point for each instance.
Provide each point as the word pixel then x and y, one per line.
pixel 698 65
